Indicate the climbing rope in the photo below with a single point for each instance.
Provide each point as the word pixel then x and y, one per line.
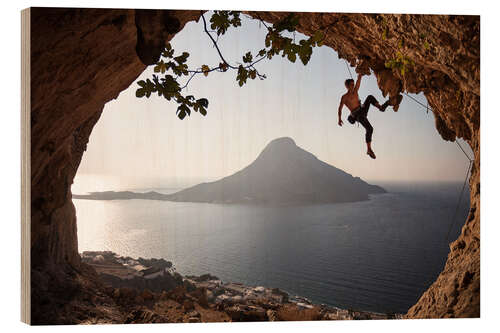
pixel 427 109
pixel 469 168
pixel 349 74
pixel 466 155
pixel 452 224
pixel 348 69
pixel 417 101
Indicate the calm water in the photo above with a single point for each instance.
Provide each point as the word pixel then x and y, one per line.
pixel 378 255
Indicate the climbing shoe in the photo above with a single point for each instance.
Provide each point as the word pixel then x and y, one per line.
pixel 395 107
pixel 384 106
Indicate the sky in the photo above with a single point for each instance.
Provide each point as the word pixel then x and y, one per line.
pixel 141 143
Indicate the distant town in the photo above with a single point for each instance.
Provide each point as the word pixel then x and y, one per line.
pixel 150 282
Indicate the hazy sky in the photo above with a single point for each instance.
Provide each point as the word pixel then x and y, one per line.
pixel 140 143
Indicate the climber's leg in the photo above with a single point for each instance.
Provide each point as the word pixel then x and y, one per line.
pixel 368 136
pixel 373 101
pixel 370 151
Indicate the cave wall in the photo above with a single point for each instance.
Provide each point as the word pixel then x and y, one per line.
pixel 80 60
pixel 83 58
pixel 446 52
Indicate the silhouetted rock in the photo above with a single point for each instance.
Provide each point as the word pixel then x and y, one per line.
pixel 283 173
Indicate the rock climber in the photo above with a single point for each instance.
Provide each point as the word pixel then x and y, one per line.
pixel 359 112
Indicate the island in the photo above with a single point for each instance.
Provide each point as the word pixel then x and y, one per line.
pixel 283 173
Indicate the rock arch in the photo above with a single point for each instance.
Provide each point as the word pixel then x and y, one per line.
pixel 83 58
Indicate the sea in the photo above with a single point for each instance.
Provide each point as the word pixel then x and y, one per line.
pixel 378 255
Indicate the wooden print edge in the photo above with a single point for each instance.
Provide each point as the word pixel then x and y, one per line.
pixel 25 166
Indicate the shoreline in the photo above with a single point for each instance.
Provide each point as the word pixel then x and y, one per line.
pixel 152 284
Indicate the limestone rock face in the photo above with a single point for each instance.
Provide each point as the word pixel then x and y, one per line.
pixel 83 58
pixel 445 50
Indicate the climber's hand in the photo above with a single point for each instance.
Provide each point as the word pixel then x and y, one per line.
pixel 340 122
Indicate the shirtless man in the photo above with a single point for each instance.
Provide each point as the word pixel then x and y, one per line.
pixel 359 111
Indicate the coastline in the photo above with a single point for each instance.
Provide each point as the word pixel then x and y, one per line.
pixel 150 290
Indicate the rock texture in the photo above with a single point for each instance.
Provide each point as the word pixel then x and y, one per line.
pixel 83 58
pixel 446 53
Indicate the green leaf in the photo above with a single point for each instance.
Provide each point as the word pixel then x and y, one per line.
pixel 268 40
pixel 247 58
pixel 288 23
pixel 182 111
pixel 223 66
pixel 205 69
pixel 221 20
pixel 168 53
pixel 170 85
pixel 318 36
pixel 242 75
pixel 305 53
pixel 140 92
pixel 203 102
pixel 160 67
pixel 182 58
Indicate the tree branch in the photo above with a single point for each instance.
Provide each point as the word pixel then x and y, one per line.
pixel 214 42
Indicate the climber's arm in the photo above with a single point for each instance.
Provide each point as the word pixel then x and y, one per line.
pixel 340 110
pixel 358 82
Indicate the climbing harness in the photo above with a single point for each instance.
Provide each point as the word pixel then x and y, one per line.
pixel 469 167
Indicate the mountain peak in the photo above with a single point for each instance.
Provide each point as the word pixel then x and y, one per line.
pixel 282 173
pixel 283 141
pixel 280 149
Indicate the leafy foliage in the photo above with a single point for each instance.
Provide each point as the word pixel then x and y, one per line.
pixel 169 87
pixel 401 62
pixel 221 20
pixel 275 43
pixel 385 28
pixel 426 44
